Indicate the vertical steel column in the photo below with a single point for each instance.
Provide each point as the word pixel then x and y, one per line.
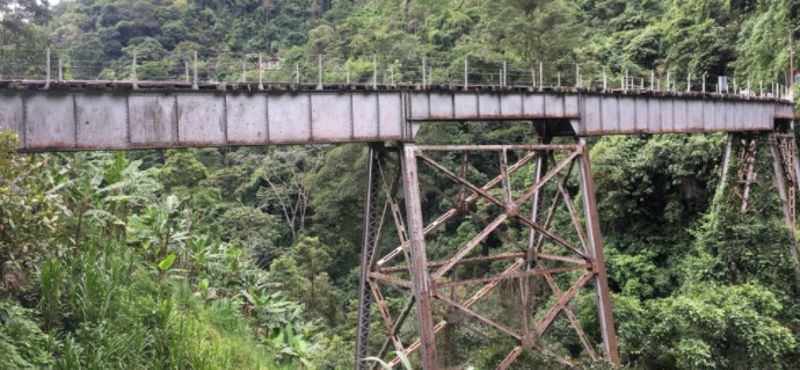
pixel 751 150
pixel 541 169
pixel 371 230
pixel 541 164
pixel 596 250
pixel 796 159
pixel 723 181
pixel 419 259
pixel 780 183
pixel 797 183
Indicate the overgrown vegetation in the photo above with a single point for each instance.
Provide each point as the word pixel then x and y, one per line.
pixel 247 257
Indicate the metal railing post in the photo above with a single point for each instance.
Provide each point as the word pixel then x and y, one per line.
pixel 669 83
pixel 424 74
pixel 704 83
pixel 504 74
pixel 47 74
pixel 541 75
pixel 466 74
pixel 135 86
pixel 194 84
pixel 319 85
pixel 625 81
pixel 260 72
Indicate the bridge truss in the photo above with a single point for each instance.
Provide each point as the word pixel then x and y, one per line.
pixel 782 148
pixel 534 242
pixel 530 232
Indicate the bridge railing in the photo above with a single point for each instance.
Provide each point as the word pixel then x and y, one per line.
pixel 380 70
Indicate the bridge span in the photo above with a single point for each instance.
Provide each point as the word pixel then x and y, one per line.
pixel 105 115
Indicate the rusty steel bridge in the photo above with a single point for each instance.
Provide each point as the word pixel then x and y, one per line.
pixel 105 115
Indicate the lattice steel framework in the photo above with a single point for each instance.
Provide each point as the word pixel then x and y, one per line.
pixel 436 294
pixel 783 150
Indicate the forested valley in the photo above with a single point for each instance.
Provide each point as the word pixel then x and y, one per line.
pixel 248 257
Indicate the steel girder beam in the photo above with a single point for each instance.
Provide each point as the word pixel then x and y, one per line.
pixel 97 115
pixel 423 284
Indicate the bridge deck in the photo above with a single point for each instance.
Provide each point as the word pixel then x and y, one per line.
pixel 93 115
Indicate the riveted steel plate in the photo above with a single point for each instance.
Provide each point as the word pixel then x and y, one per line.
pixel 50 121
pixel 102 121
pixel 247 119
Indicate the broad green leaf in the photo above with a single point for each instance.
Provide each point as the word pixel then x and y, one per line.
pixel 166 263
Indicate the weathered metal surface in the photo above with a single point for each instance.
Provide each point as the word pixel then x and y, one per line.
pixel 419 259
pixel 72 120
pixel 442 284
pixel 784 175
pixel 572 318
pixel 626 114
pixel 371 235
pixel 596 251
pixel 82 115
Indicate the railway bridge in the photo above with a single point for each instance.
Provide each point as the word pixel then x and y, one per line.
pixel 106 115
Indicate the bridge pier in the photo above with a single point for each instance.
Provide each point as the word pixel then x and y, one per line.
pixel 451 290
pixel 782 148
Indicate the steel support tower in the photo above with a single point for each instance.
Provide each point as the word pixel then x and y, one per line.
pixel 520 247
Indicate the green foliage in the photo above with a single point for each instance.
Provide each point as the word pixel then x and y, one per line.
pixel 303 275
pixel 717 326
pixel 166 263
pixel 178 265
pixel 112 316
pixel 403 360
pixel 31 214
pixel 24 37
pixel 648 203
pixel 141 288
pixel 23 344
pixel 182 169
pixel 249 228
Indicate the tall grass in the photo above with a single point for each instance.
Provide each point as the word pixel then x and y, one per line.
pixel 110 312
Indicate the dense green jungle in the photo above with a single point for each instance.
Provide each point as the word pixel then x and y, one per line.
pixel 248 257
